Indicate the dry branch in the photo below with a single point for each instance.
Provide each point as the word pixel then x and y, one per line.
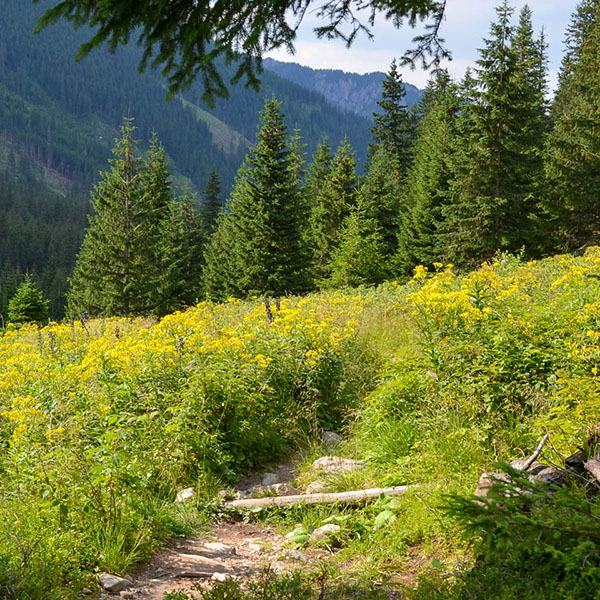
pixel 536 453
pixel 344 497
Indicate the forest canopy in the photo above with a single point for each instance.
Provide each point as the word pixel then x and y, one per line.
pixel 185 38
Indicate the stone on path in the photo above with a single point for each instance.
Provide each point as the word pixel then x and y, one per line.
pixel 270 479
pixel 317 487
pixel 336 464
pixel 331 439
pixel 219 548
pixel 185 495
pixel 322 532
pixel 112 583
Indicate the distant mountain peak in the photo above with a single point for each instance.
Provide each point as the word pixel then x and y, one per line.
pixel 350 91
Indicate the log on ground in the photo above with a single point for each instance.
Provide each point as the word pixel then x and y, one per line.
pixel 343 497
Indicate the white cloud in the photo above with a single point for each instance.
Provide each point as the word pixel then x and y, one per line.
pixel 466 24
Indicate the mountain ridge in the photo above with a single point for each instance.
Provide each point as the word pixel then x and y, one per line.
pixel 355 92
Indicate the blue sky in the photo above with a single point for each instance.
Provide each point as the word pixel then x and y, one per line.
pixel 466 24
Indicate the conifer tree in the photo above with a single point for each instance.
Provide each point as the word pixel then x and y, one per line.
pixel 318 171
pixel 257 248
pixel 211 203
pixel 360 258
pixel 420 239
pixel 108 278
pixel 380 193
pixel 573 152
pixel 28 305
pixel 180 248
pixel 394 128
pixel 498 162
pixel 333 205
pixel 155 209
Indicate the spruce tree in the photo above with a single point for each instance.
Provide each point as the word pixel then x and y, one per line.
pixel 333 205
pixel 261 230
pixel 155 209
pixel 109 278
pixel 573 151
pixel 27 304
pixel 420 239
pixel 180 249
pixel 380 197
pixel 318 171
pixel 394 128
pixel 211 203
pixel 498 163
pixel 360 258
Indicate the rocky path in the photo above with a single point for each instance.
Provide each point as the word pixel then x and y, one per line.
pixel 234 550
pixel 230 550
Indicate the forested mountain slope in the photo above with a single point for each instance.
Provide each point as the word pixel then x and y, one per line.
pixel 58 119
pixel 349 91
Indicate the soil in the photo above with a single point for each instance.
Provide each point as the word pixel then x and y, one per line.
pixel 190 564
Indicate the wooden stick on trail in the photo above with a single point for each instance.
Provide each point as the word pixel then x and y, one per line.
pixel 344 497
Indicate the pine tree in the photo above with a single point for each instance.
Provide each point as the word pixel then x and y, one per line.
pixel 573 151
pixel 318 171
pixel 180 249
pixel 333 205
pixel 380 197
pixel 108 278
pixel 360 258
pixel 154 208
pixel 28 305
pixel 211 203
pixel 498 162
pixel 428 183
pixel 394 128
pixel 258 241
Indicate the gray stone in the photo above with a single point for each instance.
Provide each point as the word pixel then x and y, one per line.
pixel 112 583
pixel 270 479
pixel 317 487
pixel 294 555
pixel 185 495
pixel 219 548
pixel 336 464
pixel 331 439
pixel 322 532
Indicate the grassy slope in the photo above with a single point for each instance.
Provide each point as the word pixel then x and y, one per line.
pixel 100 427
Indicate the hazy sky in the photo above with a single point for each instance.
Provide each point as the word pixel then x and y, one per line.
pixel 466 24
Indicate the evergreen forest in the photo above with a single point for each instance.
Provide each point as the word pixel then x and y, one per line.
pixel 58 121
pixel 270 350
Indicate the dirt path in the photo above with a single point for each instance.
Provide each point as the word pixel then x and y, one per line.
pixel 237 550
pixel 232 550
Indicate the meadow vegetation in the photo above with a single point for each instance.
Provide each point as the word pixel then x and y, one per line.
pixel 101 422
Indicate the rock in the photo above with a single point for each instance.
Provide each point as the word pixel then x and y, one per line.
pixel 219 577
pixel 331 439
pixel 282 489
pixel 536 472
pixel 270 479
pixel 294 555
pixel 219 548
pixel 336 464
pixel 322 532
pixel 185 495
pixel 112 583
pixel 255 548
pixel 317 487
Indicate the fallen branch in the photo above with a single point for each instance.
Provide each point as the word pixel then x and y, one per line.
pixel 536 453
pixel 344 497
pixel 593 467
